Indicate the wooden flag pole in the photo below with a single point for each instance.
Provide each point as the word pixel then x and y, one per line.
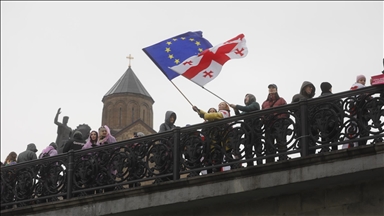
pixel 214 94
pixel 201 87
pixel 211 92
pixel 181 92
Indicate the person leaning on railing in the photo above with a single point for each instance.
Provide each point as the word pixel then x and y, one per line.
pixel 330 133
pixel 272 133
pixel 307 91
pixel 216 135
pixel 253 139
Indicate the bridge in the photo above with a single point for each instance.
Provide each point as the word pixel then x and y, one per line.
pixel 322 156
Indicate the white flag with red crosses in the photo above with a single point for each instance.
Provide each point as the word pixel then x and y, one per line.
pixel 206 66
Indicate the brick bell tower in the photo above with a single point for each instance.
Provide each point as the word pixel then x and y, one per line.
pixel 128 107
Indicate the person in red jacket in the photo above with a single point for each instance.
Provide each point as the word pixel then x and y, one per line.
pixel 273 98
pixel 275 138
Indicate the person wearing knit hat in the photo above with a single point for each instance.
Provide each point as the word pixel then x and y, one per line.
pixel 360 82
pixel 363 123
pixel 75 143
pixel 330 131
pixel 361 79
pixel 326 88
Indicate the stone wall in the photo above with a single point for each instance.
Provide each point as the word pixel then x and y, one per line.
pixel 362 198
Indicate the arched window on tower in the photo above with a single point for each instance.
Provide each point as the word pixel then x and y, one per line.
pixel 120 116
pixel 133 114
pixel 143 115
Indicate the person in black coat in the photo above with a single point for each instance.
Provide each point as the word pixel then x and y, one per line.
pixel 28 154
pixel 76 143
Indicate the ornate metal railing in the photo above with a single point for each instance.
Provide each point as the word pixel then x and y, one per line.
pixel 277 134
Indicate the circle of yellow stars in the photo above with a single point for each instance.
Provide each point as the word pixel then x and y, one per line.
pixel 172 57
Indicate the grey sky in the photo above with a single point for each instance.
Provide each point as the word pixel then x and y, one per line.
pixel 69 54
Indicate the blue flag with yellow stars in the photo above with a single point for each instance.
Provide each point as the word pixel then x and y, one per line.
pixel 174 50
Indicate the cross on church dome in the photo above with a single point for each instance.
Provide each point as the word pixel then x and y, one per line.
pixel 129 58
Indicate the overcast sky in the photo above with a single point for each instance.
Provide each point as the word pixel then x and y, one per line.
pixel 69 54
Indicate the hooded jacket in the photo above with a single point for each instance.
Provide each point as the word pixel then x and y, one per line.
pixel 107 139
pixel 76 143
pixel 325 89
pixel 251 106
pixel 303 94
pixel 50 149
pixel 167 125
pixel 29 154
pixel 89 144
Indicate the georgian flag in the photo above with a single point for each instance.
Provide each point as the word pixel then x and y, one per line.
pixel 206 66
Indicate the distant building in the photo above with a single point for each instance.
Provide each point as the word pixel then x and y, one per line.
pixel 128 107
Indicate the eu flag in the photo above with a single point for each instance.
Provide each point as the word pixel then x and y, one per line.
pixel 173 51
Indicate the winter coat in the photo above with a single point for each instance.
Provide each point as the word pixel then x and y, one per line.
pixel 108 139
pixel 214 116
pixel 303 95
pixel 167 125
pixel 269 103
pixel 325 94
pixel 29 154
pixel 75 143
pixel 251 106
pixel 89 144
pixel 357 86
pixel 50 149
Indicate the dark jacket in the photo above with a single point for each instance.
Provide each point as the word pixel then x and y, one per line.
pixel 251 106
pixel 76 143
pixel 29 154
pixel 167 125
pixel 303 95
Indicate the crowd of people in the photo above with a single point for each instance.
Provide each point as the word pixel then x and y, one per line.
pixel 252 147
pixel 103 136
pixel 95 138
pixel 307 91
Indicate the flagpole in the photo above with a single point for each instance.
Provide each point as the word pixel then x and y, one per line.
pixel 181 92
pixel 210 92
pixel 201 87
pixel 215 94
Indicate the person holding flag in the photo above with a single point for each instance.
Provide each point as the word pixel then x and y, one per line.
pixel 253 139
pixel 193 56
pixel 224 112
pixel 216 136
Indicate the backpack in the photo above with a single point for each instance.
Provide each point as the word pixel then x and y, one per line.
pixel 46 154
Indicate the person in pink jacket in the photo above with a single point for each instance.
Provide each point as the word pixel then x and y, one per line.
pixel 105 136
pixel 51 150
pixel 92 140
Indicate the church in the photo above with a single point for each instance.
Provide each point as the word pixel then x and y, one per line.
pixel 128 107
